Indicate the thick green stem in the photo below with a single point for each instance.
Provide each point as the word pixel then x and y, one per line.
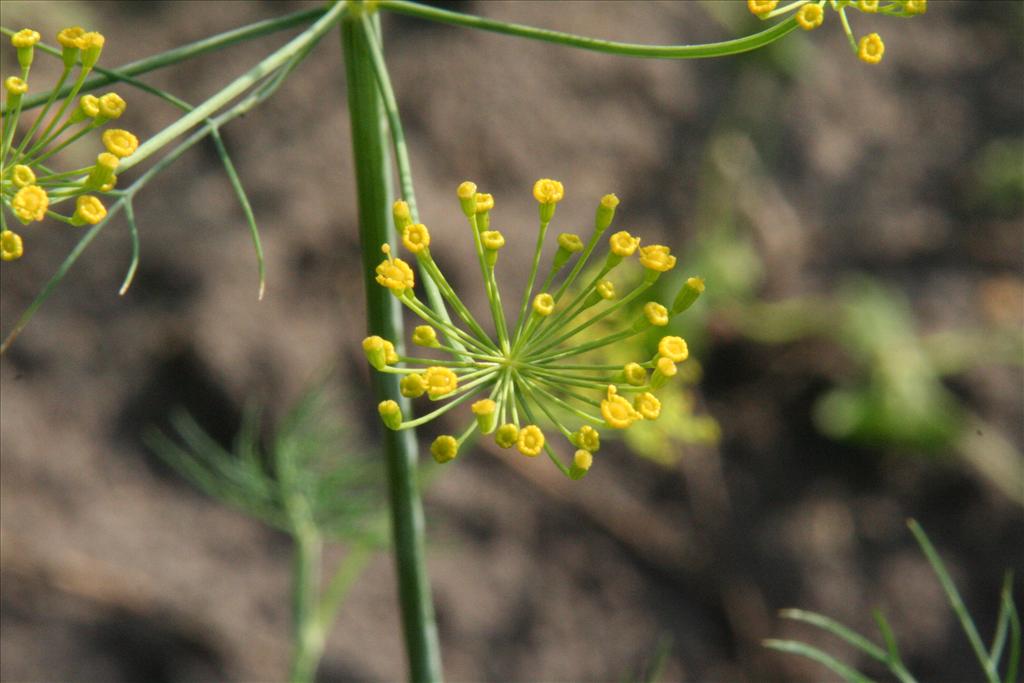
pixel 384 318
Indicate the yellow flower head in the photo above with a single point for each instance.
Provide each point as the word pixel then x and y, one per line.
pixel 68 37
pixel 112 106
pixel 606 288
pixel 544 304
pixel 484 202
pixel 390 413
pixel 656 314
pixel 647 405
pixel 90 40
pixel 492 239
pixel 107 161
pixel 444 449
pixel 871 48
pixel 570 242
pixel 412 386
pixel 616 411
pixel 486 412
pixel 379 352
pixel 440 381
pixel 26 37
pixel 623 244
pixel 416 237
pixel 761 7
pixel 424 335
pixel 11 248
pixel 484 406
pixel 609 201
pixel 88 209
pixel 390 355
pixel 588 438
pixel 810 17
pixel 506 435
pixel 916 6
pixel 547 191
pixel 635 374
pixel 394 273
pixel 657 257
pixel 22 176
pixel 119 142
pixel 30 204
pixel 530 441
pixel 666 366
pixel 15 86
pixel 673 348
pixel 467 197
pixel 869 6
pixel 89 105
pixel 582 460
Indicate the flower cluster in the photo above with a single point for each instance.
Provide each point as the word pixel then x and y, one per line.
pixel 533 367
pixel 810 14
pixel 28 185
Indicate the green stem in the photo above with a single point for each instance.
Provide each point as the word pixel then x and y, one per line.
pixel 384 318
pixel 309 634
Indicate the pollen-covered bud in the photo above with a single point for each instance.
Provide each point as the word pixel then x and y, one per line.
pixel 88 108
pixel 548 193
pixel 690 292
pixel 568 244
pixel 617 411
pixel 606 289
pixel 15 87
pixel 416 238
pixel 22 176
pixel 587 438
pixel 581 462
pixel 530 441
pixel 444 449
pixel 634 374
pixel 103 172
pixel 810 17
pixel 543 304
pixel 30 204
pixel 484 202
pixel 467 198
pixel 91 45
pixel 11 248
pixel 605 212
pixel 412 385
pixel 425 335
pixel 440 381
pixel 656 314
pixel 390 413
pixel 68 39
pixel 621 244
pixel 760 8
pixel 111 107
pixel 657 257
pixel 506 435
pixel 663 369
pixel 25 41
pixel 673 348
pixel 401 214
pixel 648 405
pixel 492 241
pixel 88 210
pixel 486 412
pixel 119 142
pixel 394 273
pixel 871 48
pixel 376 352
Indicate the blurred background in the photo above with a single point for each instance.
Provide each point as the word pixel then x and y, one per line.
pixel 856 359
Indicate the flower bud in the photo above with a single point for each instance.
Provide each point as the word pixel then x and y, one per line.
pixel 691 290
pixel 486 412
pixel 391 413
pixel 605 212
pixel 581 462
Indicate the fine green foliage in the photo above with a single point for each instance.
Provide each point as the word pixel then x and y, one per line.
pixel 1008 631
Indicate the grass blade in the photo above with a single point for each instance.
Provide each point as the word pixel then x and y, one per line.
pixel 804 650
pixel 838 630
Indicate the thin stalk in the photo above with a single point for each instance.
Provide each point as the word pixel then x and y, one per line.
pixel 308 641
pixel 384 318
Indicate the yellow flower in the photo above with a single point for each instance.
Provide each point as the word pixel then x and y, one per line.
pixel 656 314
pixel 484 202
pixel 871 48
pixel 587 437
pixel 544 304
pixel 390 355
pixel 394 273
pixel 424 335
pixel 412 386
pixel 623 244
pixel 416 237
pixel 581 462
pixel 647 405
pixel 440 382
pixel 68 37
pixel 486 412
pixel 91 44
pixel 916 6
pixel 88 209
pixel 810 17
pixel 30 204
pixel 547 191
pixel 506 435
pixel 635 374
pixel 379 352
pixel 570 242
pixel 15 86
pixel 89 105
pixel 390 413
pixel 11 248
pixel 657 257
pixel 760 7
pixel 401 213
pixel 484 406
pixel 112 106
pixel 26 37
pixel 606 288
pixel 119 142
pixel 869 6
pixel 444 449
pixel 616 411
pixel 467 197
pixel 530 441
pixel 492 239
pixel 23 176
pixel 673 348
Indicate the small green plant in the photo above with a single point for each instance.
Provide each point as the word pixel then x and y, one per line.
pixel 1006 640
